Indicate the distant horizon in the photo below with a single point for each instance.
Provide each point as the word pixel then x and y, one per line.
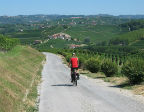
pixel 75 15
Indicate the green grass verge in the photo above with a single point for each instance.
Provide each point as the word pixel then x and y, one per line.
pixel 18 69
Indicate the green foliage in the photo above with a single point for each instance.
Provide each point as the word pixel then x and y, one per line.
pixel 111 61
pixel 93 65
pixel 81 62
pixel 7 43
pixel 134 70
pixel 68 56
pixel 109 68
pixel 133 25
pixel 113 50
pixel 138 43
pixel 87 40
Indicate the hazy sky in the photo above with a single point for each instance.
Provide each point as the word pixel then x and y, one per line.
pixel 67 7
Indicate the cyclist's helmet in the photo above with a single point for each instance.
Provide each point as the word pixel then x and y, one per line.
pixel 73 54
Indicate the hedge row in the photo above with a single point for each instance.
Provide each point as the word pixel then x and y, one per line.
pixel 7 43
pixel 133 68
pixel 94 64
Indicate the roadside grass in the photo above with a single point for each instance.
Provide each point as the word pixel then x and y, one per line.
pixel 118 82
pixel 18 69
pixel 31 102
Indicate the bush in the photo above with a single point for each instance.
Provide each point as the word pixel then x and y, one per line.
pixel 68 56
pixel 82 62
pixel 134 70
pixel 93 65
pixel 7 43
pixel 109 68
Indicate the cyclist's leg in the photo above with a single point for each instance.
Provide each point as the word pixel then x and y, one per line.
pixel 72 69
pixel 77 71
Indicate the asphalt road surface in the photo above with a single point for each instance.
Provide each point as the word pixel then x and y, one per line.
pixel 58 95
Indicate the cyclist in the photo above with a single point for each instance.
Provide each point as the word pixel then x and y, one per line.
pixel 74 65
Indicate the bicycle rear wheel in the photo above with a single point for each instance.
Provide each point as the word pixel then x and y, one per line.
pixel 74 79
pixel 75 83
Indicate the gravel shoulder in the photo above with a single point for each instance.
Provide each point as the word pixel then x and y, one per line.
pixel 113 87
pixel 91 95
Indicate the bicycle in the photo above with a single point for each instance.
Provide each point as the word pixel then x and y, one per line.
pixel 74 77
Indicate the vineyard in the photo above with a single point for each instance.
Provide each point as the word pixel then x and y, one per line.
pixel 7 43
pixel 128 38
pixel 109 64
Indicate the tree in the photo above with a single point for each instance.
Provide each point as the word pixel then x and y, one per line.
pixel 87 40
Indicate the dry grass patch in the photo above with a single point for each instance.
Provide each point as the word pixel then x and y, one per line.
pixel 139 89
pixel 18 68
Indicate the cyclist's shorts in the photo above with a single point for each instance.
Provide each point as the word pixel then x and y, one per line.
pixel 72 69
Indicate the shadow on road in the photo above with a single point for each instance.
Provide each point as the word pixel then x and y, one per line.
pixel 99 77
pixel 68 85
pixel 123 85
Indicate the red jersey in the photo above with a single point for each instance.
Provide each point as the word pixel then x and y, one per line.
pixel 74 62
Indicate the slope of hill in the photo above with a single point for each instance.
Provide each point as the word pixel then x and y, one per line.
pixel 138 43
pixel 96 33
pixel 19 76
pixel 133 25
pixel 56 43
pixel 132 16
pixel 128 38
pixel 96 28
pixel 27 36
pixel 38 27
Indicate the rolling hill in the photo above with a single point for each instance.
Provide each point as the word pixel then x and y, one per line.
pixel 128 38
pixel 96 29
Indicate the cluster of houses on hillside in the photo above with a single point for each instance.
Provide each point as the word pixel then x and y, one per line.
pixel 63 36
pixel 37 42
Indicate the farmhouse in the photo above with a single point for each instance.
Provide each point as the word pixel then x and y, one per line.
pixel 72 46
pixel 61 36
pixel 37 42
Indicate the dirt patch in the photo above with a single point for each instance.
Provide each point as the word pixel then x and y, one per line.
pixel 139 89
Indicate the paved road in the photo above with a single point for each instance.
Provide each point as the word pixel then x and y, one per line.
pixel 58 95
